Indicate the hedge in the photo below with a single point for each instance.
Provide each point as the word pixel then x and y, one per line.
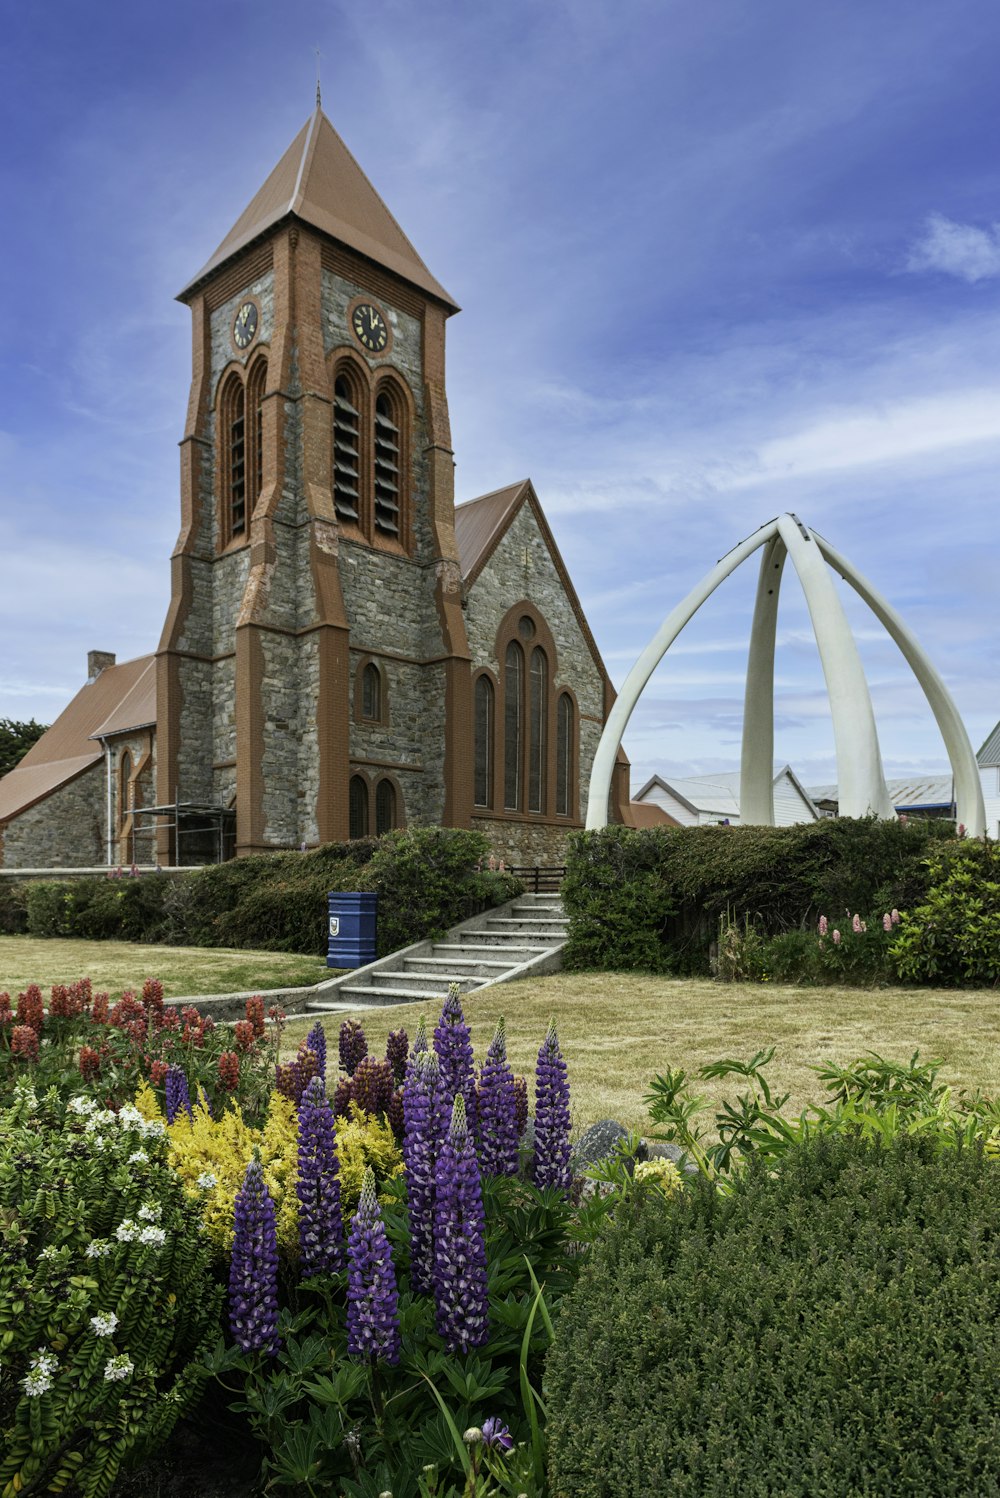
pixel 831 1329
pixel 652 899
pixel 427 880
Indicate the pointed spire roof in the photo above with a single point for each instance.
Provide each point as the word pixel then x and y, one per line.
pixel 319 181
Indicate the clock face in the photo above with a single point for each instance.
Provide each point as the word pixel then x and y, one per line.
pixel 369 327
pixel 245 326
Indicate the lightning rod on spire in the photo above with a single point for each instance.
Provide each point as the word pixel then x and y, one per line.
pixel 319 97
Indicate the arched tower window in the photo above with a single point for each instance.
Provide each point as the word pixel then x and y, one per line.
pixel 357 796
pixel 483 769
pixel 513 725
pixel 371 693
pixel 388 448
pixel 235 438
pixel 385 807
pixel 564 755
pixel 346 450
pixel 537 730
pixel 256 386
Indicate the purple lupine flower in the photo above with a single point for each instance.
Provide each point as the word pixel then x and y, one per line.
pixel 394 1113
pixel 343 1097
pixel 253 1272
pixel 496 1436
pixel 459 1276
pixel 521 1106
pixel 498 1136
pixel 397 1050
pixel 321 1230
pixel 316 1041
pixel 177 1095
pixel 353 1045
pixel 420 1039
pixel 372 1302
pixel 371 1085
pixel 425 1122
pixel 552 1151
pixel 453 1044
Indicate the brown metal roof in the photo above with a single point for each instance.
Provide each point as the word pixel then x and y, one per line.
pixel 480 523
pixel 319 181
pixel 121 698
pixel 647 814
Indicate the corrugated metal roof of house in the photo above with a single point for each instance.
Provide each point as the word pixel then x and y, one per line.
pixel 648 814
pixel 989 754
pixel 319 181
pixel 924 790
pixel 480 522
pixel 118 696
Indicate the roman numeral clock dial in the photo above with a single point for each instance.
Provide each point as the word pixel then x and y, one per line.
pixel 369 327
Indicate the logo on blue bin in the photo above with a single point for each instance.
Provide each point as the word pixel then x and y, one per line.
pixel 335 925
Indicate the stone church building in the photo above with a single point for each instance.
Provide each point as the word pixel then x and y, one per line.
pixel 345 650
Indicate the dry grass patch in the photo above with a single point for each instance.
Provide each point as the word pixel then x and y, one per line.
pixel 618 1029
pixel 183 971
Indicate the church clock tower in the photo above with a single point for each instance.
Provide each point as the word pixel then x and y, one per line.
pixel 313 673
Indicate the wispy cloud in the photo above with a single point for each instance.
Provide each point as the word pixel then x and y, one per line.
pixel 960 250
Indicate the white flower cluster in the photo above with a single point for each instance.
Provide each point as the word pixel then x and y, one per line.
pixel 39 1379
pixel 153 1235
pixel 81 1105
pixel 104 1325
pixel 127 1119
pixel 206 1181
pixel 138 1157
pixel 26 1094
pixel 150 1212
pixel 118 1368
pixel 99 1248
pixel 48 1254
pixel 129 1231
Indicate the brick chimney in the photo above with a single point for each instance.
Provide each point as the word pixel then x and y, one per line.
pixel 97 660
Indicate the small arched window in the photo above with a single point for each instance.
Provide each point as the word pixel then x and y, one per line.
pixel 346 451
pixel 237 460
pixel 358 806
pixel 483 773
pixel 387 459
pixel 255 410
pixel 513 721
pixel 371 693
pixel 385 807
pixel 564 755
pixel 124 786
pixel 537 730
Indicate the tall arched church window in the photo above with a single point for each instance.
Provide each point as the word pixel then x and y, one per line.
pixel 385 807
pixel 564 755
pixel 537 730
pixel 237 460
pixel 346 451
pixel 483 771
pixel 357 795
pixel 387 460
pixel 371 693
pixel 513 725
pixel 124 787
pixel 255 411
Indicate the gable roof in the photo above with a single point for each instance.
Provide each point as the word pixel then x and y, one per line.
pixel 719 792
pixel 480 526
pixel 923 791
pixel 989 754
pixel 119 699
pixel 319 181
pixel 647 814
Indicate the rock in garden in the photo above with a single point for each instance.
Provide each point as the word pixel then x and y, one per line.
pixel 600 1142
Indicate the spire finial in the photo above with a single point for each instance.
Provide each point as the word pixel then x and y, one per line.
pixel 319 97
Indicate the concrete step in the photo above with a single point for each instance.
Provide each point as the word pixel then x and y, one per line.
pixel 366 997
pixel 481 940
pixel 445 964
pixel 527 922
pixel 429 983
pixel 488 937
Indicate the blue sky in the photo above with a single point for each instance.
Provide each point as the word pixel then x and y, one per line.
pixel 717 260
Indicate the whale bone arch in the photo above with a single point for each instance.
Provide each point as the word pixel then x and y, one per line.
pixel 860 776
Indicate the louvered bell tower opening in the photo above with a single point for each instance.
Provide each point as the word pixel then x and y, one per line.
pixel 386 467
pixel 346 453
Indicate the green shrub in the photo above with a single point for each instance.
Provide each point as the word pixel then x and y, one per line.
pixel 831 1328
pixel 95 1225
pixel 652 899
pixel 49 908
pixel 953 935
pixel 13 908
pixel 430 878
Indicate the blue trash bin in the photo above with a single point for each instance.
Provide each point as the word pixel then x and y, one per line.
pixel 351 928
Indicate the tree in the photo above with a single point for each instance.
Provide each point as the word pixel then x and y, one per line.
pixel 15 741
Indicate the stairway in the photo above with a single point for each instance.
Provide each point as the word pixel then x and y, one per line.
pixel 523 938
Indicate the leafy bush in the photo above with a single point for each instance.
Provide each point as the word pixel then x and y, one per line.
pixel 651 899
pixel 858 955
pixel 430 878
pixel 953 935
pixel 831 1327
pixel 106 1294
pixel 13 908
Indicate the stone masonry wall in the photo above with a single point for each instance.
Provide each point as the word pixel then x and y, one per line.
pixel 67 830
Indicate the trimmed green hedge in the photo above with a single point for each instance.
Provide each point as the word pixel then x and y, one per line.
pixel 426 879
pixel 830 1329
pixel 651 899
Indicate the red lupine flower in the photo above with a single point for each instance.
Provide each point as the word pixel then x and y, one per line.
pixel 824 925
pixel 244 1035
pixel 169 1019
pixel 152 993
pixel 99 1009
pixel 158 1073
pixel 82 992
pixel 90 1063
pixel 30 1010
pixel 255 1014
pixel 126 1010
pixel 229 1071
pixel 24 1042
pixel 277 1017
pixel 60 1004
pixel 6 1013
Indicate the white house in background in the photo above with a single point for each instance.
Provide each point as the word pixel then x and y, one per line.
pixel 924 796
pixel 988 760
pixel 697 800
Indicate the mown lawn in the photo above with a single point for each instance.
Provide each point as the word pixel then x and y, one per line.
pixel 183 971
pixel 617 1030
